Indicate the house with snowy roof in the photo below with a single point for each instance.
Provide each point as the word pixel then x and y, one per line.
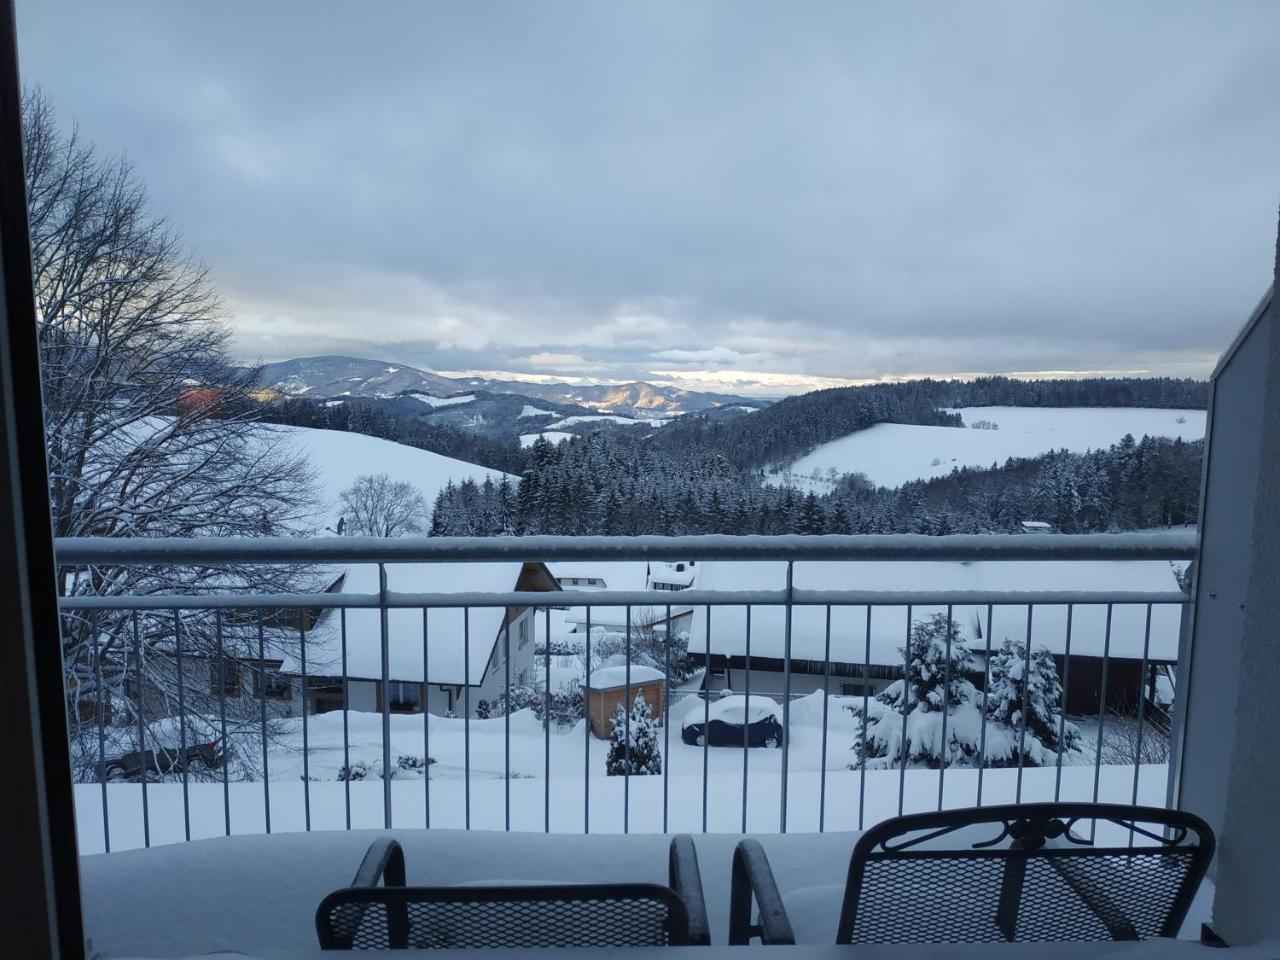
pixel 441 660
pixel 609 576
pixel 852 650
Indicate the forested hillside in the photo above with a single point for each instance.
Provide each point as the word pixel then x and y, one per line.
pixel 602 485
pixel 795 426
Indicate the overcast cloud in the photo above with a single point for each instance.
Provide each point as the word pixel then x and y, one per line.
pixel 756 197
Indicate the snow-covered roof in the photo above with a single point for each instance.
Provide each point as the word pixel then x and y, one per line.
pixel 889 623
pixel 614 619
pixel 450 632
pixel 667 573
pixel 618 575
pixel 608 678
pixel 624 575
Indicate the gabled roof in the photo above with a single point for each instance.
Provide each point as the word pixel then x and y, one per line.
pixel 458 643
pixel 849 641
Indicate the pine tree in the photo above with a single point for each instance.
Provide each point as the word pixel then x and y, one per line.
pixel 936 685
pixel 1015 681
pixel 643 756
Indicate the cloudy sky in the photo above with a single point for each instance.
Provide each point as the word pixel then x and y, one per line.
pixel 752 197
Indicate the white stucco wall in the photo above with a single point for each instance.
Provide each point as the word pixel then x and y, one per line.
pixel 1247 903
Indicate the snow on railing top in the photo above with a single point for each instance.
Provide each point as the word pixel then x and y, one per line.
pixel 1171 545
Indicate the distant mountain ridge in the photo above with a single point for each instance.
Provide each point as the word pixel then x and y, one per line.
pixel 338 376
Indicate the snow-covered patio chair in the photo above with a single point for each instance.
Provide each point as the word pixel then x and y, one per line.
pixel 1031 872
pixel 368 916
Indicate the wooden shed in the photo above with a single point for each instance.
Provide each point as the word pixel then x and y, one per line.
pixel 607 689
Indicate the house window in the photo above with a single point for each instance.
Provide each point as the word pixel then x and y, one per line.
pixel 404 697
pixel 523 630
pixel 224 677
pixel 271 684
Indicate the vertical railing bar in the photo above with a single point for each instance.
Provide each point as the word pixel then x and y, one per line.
pixel 182 725
pixel 306 743
pixel 466 716
pixel 222 719
pixel 906 694
pixel 384 629
pixel 586 736
pixel 1142 704
pixel 1102 709
pixel 426 721
pixel 546 760
pixel 946 708
pixel 142 732
pixel 826 700
pixel 666 716
pixel 986 692
pixel 506 722
pixel 706 719
pixel 745 714
pixel 262 704
pixel 346 711
pixel 866 697
pixel 100 711
pixel 626 749
pixel 1026 704
pixel 1062 715
pixel 786 696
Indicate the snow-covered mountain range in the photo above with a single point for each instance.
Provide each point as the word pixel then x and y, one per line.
pixel 337 376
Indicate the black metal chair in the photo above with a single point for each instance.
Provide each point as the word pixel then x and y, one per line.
pixel 367 916
pixel 1030 872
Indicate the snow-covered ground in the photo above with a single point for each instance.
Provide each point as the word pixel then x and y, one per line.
pixel 576 771
pixel 891 454
pixel 443 401
pixel 553 436
pixel 337 458
pixel 605 417
pixel 531 411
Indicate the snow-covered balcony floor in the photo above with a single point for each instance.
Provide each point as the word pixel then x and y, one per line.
pixel 256 895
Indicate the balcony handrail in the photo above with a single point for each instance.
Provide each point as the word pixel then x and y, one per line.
pixel 786 552
pixel 1165 545
pixel 620 598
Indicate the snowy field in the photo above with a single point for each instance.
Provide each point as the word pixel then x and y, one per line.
pixel 338 458
pixel 538 796
pixel 589 419
pixel 437 402
pixel 891 454
pixel 552 436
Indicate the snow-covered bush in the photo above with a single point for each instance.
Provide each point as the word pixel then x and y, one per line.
pixel 936 686
pixel 411 766
pixel 1015 680
pixel 482 709
pixel 649 645
pixel 566 703
pixel 643 755
pixel 407 767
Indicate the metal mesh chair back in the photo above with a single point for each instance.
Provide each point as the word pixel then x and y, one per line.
pixel 597 915
pixel 1035 872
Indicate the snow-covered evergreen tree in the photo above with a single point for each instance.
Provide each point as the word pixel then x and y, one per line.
pixel 936 686
pixel 644 756
pixel 1015 681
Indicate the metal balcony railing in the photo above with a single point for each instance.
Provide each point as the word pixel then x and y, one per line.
pixel 141 717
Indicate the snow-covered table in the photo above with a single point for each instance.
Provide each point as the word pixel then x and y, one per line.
pixel 256 895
